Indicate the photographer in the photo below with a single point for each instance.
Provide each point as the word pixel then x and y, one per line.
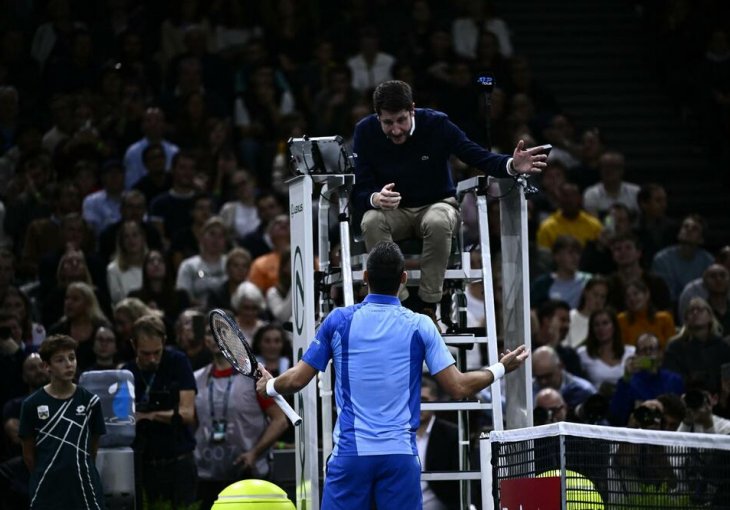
pixel 549 407
pixel 165 397
pixel 699 416
pixel 643 379
pixel 637 465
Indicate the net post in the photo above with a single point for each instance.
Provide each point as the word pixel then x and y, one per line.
pixel 563 485
pixel 485 461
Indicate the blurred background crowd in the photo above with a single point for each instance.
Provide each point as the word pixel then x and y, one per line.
pixel 143 166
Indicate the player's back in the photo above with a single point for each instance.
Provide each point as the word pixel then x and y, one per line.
pixel 378 349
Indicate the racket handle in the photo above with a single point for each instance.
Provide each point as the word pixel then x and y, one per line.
pixel 288 410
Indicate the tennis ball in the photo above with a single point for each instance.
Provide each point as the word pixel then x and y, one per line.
pixel 253 494
pixel 580 492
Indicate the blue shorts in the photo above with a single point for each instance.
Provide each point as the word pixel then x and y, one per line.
pixel 390 481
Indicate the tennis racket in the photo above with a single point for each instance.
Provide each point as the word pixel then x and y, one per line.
pixel 235 348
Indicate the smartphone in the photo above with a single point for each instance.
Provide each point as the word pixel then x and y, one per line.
pixel 545 149
pixel 199 328
pixel 645 362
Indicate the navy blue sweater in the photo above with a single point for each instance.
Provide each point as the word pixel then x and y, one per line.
pixel 419 167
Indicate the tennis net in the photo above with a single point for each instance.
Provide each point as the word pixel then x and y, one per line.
pixel 610 467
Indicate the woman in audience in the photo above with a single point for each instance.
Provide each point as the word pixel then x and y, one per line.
pixel 82 317
pixel 272 349
pixel 158 288
pixel 238 264
pixel 71 268
pixel 592 299
pixel 126 312
pixel 248 305
pixel 641 316
pixel 17 303
pixel 698 351
pixel 201 273
pixel 603 355
pixel 105 350
pixel 124 272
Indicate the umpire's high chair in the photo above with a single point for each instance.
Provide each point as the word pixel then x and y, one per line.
pixel 515 298
pixel 325 165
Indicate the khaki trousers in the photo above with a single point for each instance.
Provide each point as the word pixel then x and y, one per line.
pixel 434 224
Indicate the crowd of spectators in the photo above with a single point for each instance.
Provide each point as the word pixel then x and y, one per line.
pixel 142 169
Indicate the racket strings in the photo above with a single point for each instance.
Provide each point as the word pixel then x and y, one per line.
pixel 233 345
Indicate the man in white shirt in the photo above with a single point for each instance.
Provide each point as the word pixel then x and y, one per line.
pixel 103 208
pixel 598 198
pixel 370 66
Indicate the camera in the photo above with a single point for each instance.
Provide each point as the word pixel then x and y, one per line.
pixel 542 416
pixel 646 416
pixel 545 149
pixel 694 399
pixel 593 410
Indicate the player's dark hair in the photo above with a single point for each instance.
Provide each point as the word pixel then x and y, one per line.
pixel 54 344
pixel 385 267
pixel 392 96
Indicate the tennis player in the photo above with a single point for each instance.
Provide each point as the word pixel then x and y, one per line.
pixel 378 348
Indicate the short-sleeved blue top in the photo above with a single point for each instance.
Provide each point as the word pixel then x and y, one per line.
pixel 378 349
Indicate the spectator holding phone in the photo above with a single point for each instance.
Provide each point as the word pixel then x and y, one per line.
pixel 643 379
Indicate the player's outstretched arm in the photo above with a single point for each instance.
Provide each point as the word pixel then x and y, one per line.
pixel 291 381
pixel 462 385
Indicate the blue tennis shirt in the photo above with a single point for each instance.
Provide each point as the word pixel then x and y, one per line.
pixel 378 349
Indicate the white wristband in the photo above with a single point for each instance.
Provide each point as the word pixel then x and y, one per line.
pixel 498 370
pixel 270 390
pixel 511 167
